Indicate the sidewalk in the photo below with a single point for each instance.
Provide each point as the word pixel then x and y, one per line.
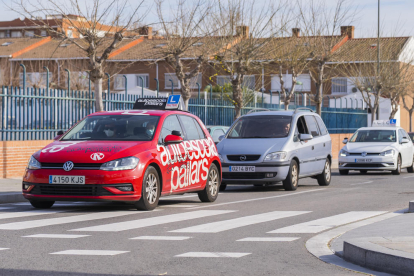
pixel 386 246
pixel 11 190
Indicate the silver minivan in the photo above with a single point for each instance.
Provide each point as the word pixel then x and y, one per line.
pixel 271 146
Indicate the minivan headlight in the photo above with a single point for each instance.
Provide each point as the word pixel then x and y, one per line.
pixel 128 163
pixel 387 153
pixel 33 164
pixel 276 156
pixel 343 153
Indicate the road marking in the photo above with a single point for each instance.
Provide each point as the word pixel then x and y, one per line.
pixel 161 238
pixel 219 226
pixel 8 215
pixel 362 183
pixel 4 248
pixel 176 206
pixel 141 223
pixel 260 198
pixel 56 236
pixel 316 226
pixel 270 239
pixel 56 204
pixel 63 220
pixel 213 255
pixel 408 176
pixel 90 252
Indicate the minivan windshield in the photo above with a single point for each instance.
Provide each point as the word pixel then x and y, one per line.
pixel 374 135
pixel 115 128
pixel 261 126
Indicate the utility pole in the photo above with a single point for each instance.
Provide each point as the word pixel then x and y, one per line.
pixel 378 55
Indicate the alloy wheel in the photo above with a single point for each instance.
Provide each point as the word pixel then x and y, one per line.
pixel 327 171
pixel 294 176
pixel 151 188
pixel 213 182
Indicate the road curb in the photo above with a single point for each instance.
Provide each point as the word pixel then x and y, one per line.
pixel 366 253
pixel 11 197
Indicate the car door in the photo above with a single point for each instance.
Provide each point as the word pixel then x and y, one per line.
pixel 303 148
pixel 406 149
pixel 316 151
pixel 325 139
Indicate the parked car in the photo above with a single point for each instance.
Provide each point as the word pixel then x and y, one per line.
pixel 411 134
pixel 216 132
pixel 133 156
pixel 379 148
pixel 271 146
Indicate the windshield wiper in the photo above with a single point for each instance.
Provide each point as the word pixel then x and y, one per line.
pixel 257 137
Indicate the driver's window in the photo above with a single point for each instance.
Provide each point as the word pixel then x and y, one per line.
pixel 170 123
pixel 300 128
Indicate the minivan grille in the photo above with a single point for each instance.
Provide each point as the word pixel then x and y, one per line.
pixel 253 157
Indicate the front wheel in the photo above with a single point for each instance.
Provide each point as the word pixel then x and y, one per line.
pixel 42 204
pixel 210 192
pixel 324 179
pixel 292 180
pixel 150 194
pixel 397 171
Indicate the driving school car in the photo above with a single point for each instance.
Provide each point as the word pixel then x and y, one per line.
pixel 133 156
pixel 383 147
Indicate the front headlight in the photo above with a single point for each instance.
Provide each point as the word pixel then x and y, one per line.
pixel 128 163
pixel 276 156
pixel 343 153
pixel 33 164
pixel 387 153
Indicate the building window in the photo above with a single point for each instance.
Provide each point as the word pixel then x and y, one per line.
pixel 275 84
pixel 43 33
pixel 29 33
pixel 146 80
pixel 119 83
pixel 303 83
pixel 2 34
pixel 196 79
pixel 249 82
pixel 339 85
pixel 173 77
pixel 222 80
pixel 16 34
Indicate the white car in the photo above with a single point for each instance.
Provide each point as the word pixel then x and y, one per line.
pixel 380 148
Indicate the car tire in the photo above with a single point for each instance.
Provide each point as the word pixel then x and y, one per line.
pixel 410 169
pixel 150 194
pixel 324 179
pixel 343 172
pixel 397 171
pixel 292 180
pixel 363 171
pixel 210 192
pixel 40 204
pixel 223 187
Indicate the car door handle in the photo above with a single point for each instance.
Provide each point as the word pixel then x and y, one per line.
pixel 313 147
pixel 324 144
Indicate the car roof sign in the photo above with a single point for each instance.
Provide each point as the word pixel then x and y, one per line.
pixel 173 102
pixel 390 123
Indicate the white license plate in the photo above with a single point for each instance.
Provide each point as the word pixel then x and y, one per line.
pixel 66 179
pixel 242 168
pixel 363 160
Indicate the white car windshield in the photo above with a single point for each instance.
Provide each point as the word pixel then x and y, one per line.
pixel 263 126
pixel 374 135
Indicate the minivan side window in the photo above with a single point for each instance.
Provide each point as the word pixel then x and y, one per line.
pixel 322 126
pixel 312 126
pixel 170 123
pixel 300 128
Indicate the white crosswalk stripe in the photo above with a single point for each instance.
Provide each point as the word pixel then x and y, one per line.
pixel 161 238
pixel 270 239
pixel 316 226
pixel 63 220
pixel 56 236
pixel 90 252
pixel 140 223
pixel 9 215
pixel 213 255
pixel 219 226
pixel 4 248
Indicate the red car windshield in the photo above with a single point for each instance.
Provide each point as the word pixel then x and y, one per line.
pixel 115 128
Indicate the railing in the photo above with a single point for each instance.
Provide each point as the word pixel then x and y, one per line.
pixel 37 114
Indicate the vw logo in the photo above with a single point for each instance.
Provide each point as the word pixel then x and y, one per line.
pixel 97 156
pixel 364 154
pixel 243 158
pixel 68 166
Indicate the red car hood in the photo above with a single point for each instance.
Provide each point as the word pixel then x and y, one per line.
pixel 89 151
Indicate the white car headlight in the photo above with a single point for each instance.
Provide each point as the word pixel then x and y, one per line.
pixel 276 156
pixel 387 153
pixel 343 153
pixel 128 163
pixel 33 164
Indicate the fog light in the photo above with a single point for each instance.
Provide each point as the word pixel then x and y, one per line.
pixel 269 175
pixel 125 188
pixel 27 187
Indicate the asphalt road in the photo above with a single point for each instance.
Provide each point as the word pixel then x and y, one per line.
pixel 186 237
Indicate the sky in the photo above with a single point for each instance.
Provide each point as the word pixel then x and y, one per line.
pixel 397 16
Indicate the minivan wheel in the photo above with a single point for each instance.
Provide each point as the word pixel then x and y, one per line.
pixel 343 172
pixel 150 193
pixel 210 192
pixel 324 179
pixel 398 170
pixel 292 180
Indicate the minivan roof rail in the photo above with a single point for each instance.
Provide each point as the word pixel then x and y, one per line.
pixel 302 109
pixel 258 110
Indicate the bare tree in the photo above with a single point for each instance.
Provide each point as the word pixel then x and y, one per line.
pixel 97 29
pixel 408 103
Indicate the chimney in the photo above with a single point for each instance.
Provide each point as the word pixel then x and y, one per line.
pixel 243 31
pixel 348 30
pixel 146 31
pixel 295 32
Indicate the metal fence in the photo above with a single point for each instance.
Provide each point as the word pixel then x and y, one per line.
pixel 37 114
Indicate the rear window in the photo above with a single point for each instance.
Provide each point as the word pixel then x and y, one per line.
pixel 261 126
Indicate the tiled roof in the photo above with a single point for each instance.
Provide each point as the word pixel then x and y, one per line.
pixel 16 45
pixel 29 23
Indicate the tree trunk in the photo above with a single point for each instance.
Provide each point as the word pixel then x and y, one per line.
pixel 98 95
pixel 237 99
pixel 373 113
pixel 411 114
pixel 185 93
pixel 319 86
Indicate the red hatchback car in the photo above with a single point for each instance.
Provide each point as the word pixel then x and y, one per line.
pixel 133 156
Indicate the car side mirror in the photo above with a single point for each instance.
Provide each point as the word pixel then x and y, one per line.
pixel 59 134
pixel 176 133
pixel 221 137
pixel 404 141
pixel 345 141
pixel 173 139
pixel 305 137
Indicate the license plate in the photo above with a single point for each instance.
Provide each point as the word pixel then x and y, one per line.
pixel 363 160
pixel 242 168
pixel 66 179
